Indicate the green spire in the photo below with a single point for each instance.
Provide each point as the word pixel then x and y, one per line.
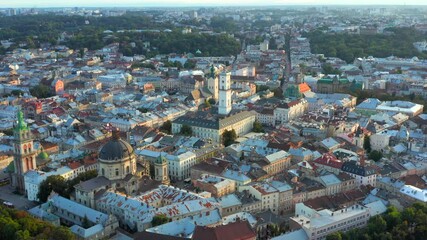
pixel 22 125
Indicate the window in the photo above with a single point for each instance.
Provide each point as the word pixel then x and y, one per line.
pixel 103 172
pixel 117 172
pixel 127 169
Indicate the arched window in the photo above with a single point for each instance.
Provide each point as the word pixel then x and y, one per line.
pixel 25 148
pixel 127 169
pixel 117 172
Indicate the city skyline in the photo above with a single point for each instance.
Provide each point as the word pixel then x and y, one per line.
pixel 190 3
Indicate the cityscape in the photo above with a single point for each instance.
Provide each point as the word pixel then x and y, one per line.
pixel 213 121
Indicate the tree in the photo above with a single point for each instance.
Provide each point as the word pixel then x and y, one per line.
pixel 18 225
pixel 212 101
pixel 367 144
pixel 186 130
pixel 17 92
pixel 56 183
pixel 327 68
pixel 377 224
pixel 334 236
pixel 207 104
pixel 85 222
pixel 159 220
pixel 375 155
pixel 41 91
pixel 228 137
pixel 278 93
pixel 257 127
pixel 166 127
pixel 80 178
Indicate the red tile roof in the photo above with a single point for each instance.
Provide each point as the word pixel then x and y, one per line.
pixel 328 159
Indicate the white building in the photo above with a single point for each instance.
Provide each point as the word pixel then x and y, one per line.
pixel 34 178
pixel 179 165
pixel 379 141
pixel 319 224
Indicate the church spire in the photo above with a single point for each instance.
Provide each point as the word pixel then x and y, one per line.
pixel 22 125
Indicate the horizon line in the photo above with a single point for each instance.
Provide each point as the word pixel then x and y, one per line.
pixel 218 5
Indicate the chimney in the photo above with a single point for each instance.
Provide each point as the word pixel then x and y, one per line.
pixel 362 161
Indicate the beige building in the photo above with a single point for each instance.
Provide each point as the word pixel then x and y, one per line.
pixel 286 112
pixel 217 186
pixel 275 196
pixel 212 127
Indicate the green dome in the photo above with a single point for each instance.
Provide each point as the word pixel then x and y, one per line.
pixel 43 155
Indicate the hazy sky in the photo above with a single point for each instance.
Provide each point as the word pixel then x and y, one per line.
pixel 166 3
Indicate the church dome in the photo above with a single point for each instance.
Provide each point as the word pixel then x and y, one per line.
pixel 43 155
pixel 115 149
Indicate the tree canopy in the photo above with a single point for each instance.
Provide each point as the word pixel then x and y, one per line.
pixel 166 127
pixel 411 223
pixel 186 130
pixel 159 220
pixel 16 224
pixel 228 137
pixel 367 144
pixel 41 91
pixel 61 186
pixel 397 42
pixel 375 155
pixel 258 128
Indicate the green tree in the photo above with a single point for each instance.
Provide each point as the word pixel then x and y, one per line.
pixel 367 143
pixel 207 104
pixel 85 222
pixel 327 68
pixel 375 155
pixel 80 178
pixel 377 224
pixel 166 127
pixel 186 130
pixel 212 101
pixel 22 235
pixel 228 137
pixel 334 236
pixel 56 183
pixel 159 220
pixel 278 93
pixel 257 127
pixel 41 91
pixel 17 92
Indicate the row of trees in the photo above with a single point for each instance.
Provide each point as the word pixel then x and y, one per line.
pixel 61 186
pixel 19 225
pixel 398 42
pixel 411 223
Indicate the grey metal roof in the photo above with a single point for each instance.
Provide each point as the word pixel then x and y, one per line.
pixel 352 167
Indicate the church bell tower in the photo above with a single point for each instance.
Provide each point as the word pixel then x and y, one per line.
pixel 24 153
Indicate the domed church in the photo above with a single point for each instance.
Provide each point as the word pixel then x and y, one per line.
pixel 118 170
pixel 116 159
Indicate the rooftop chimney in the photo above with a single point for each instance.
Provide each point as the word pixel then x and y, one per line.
pixel 362 160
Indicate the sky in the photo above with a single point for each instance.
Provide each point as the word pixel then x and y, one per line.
pixel 168 3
